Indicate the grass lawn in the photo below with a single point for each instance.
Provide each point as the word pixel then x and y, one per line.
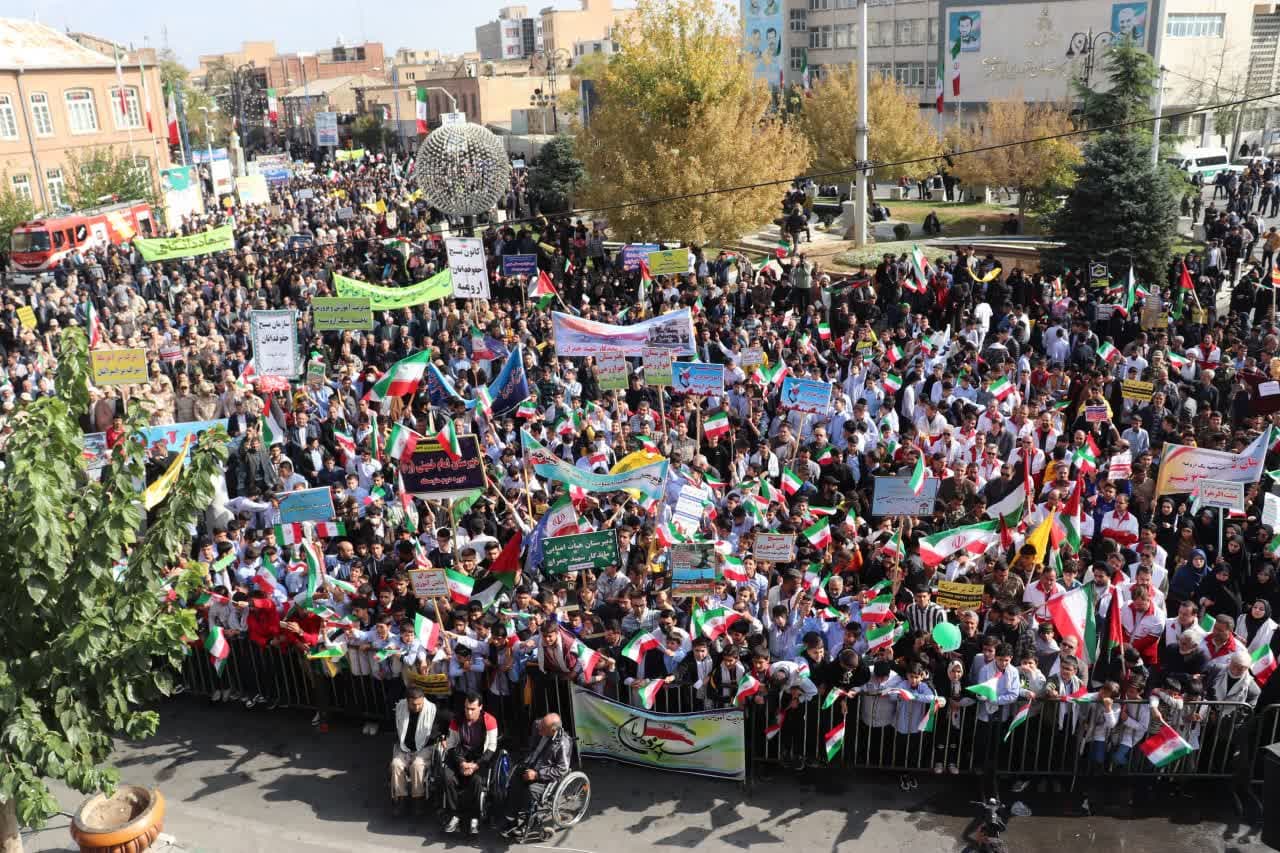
pixel 958 220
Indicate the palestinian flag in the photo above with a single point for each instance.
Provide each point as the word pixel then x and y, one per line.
pixel 824 331
pixel 1264 664
pixel 506 566
pixel 878 609
pixel 448 438
pixel 834 741
pixel 791 483
pixel 930 719
pixel 460 586
pixel 218 648
pixel 288 534
pixel 269 426
pixel 1001 388
pixel 1019 719
pixel 527 409
pixel 1086 456
pixel 646 281
pixel 819 534
pixel 401 378
pixel 1177 362
pixel 916 482
pixel 327 653
pixel 402 442
pixel 641 644
pixel 542 289
pixel 987 690
pixel 315 568
pixel 1184 279
pixel 94 325
pixel 894 353
pixel 881 635
pixel 892 383
pixel 711 623
pixel 717 424
pixel 972 538
pixel 747 687
pixel 1107 352
pixel 1273 547
pixel 1165 746
pixel 330 529
pixel 1115 628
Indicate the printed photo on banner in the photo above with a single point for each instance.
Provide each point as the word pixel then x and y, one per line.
pixel 806 395
pixel 697 378
pixel 306 505
pixel 1130 20
pixel 693 569
pixel 672 332
pixel 966 28
pixel 467 266
pixel 762 36
pixel 431 473
pixel 174 435
pixel 275 342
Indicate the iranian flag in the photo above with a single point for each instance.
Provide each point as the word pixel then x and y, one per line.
pixel 562 518
pixel 1177 362
pixel 791 483
pixel 894 353
pixel 668 535
pixel 916 482
pixel 1264 663
pixel 273 106
pixel 402 442
pixel 919 266
pixel 881 635
pixel 834 741
pixel 460 586
pixel 647 444
pixel 1019 719
pixel 717 424
pixel 819 534
pixel 269 425
pixel 972 538
pixel 987 690
pixel 329 529
pixel 878 609
pixel 1001 388
pixel 1165 746
pixel 711 623
pixel 641 644
pixel 769 377
pixel 893 546
pixel 892 383
pixel 448 438
pixel 734 571
pixel 172 117
pixel 824 331
pixel 955 67
pixel 1073 615
pixel 588 657
pixel 95 325
pixel 747 687
pixel 826 457
pixel 1107 351
pixel 401 378
pixel 288 534
pixel 939 102
pixel 422 110
pixel 346 443
pixel 771 732
pixel 218 648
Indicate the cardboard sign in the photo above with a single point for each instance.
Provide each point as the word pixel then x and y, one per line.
pixel 1271 510
pixel 634 253
pixel 1133 389
pixel 611 371
pixel 580 552
pixel 336 313
pixel 693 570
pixel 962 596
pixel 306 505
pixel 697 378
pixel 170 354
pixel 752 357
pixel 118 366
pixel 893 496
pixel 806 395
pixel 27 318
pixel 1221 493
pixel 1120 467
pixel 468 268
pixel 669 262
pixel 657 367
pixel 275 342
pixel 430 473
pixel 775 547
pixel 428 582
pixel 526 265
pixel 1095 414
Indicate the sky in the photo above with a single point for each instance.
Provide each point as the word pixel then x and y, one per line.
pixel 200 28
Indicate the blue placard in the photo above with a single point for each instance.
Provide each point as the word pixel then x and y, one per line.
pixel 520 265
pixel 634 253
pixel 306 505
pixel 173 435
pixel 806 395
pixel 696 378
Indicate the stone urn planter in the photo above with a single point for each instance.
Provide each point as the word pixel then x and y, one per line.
pixel 126 822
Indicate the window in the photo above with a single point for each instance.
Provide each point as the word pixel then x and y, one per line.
pixel 57 187
pixel 22 186
pixel 842 36
pixel 132 116
pixel 820 37
pixel 798 20
pixel 797 58
pixel 933 31
pixel 8 118
pixel 818 5
pixel 81 115
pixel 910 31
pixel 884 69
pixel 41 116
pixel 909 73
pixel 142 169
pixel 879 33
pixel 1194 26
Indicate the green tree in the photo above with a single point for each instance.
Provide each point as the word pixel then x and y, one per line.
pixel 682 113
pixel 555 175
pixel 1130 74
pixel 102 174
pixel 1121 205
pixel 86 641
pixel 14 208
pixel 368 131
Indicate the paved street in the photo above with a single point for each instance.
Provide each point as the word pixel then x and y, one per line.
pixel 240 782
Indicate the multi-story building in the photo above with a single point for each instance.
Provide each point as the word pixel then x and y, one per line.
pixel 59 101
pixel 514 35
pixel 256 54
pixel 284 71
pixel 583 49
pixel 342 95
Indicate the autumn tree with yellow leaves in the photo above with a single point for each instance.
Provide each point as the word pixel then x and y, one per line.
pixel 1038 172
pixel 682 113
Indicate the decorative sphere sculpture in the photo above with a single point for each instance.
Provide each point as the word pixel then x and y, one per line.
pixel 462 169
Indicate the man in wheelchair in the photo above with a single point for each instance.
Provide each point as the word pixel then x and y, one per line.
pixel 411 758
pixel 546 763
pixel 469 749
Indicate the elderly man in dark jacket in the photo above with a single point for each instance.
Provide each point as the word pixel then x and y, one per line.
pixel 546 763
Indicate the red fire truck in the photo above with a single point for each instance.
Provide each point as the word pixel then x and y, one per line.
pixel 41 244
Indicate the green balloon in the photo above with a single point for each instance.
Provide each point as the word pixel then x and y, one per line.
pixel 947 636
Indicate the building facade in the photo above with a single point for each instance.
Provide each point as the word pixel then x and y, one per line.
pixel 518 35
pixel 287 70
pixel 60 101
pixel 514 35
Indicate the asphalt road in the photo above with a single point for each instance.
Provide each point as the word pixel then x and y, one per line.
pixel 242 782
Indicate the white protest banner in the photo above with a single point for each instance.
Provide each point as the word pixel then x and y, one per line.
pixel 775 547
pixel 1182 467
pixel 275 342
pixel 1271 511
pixel 467 265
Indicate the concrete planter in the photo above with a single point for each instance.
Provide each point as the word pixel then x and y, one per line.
pixel 126 822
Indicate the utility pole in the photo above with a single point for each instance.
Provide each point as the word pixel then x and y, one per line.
pixel 861 176
pixel 1155 132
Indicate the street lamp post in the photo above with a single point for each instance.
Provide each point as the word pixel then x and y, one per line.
pixel 1087 45
pixel 546 97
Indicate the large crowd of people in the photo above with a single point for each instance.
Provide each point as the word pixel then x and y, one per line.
pixel 1006 394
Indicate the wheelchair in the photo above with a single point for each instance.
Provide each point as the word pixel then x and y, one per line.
pixel 492 789
pixel 561 804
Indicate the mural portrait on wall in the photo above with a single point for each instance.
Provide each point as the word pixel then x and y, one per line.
pixel 966 28
pixel 1130 20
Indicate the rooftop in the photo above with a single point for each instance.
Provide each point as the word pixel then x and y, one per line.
pixel 29 46
pixel 325 85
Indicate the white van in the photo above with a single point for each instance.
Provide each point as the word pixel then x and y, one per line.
pixel 1206 162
